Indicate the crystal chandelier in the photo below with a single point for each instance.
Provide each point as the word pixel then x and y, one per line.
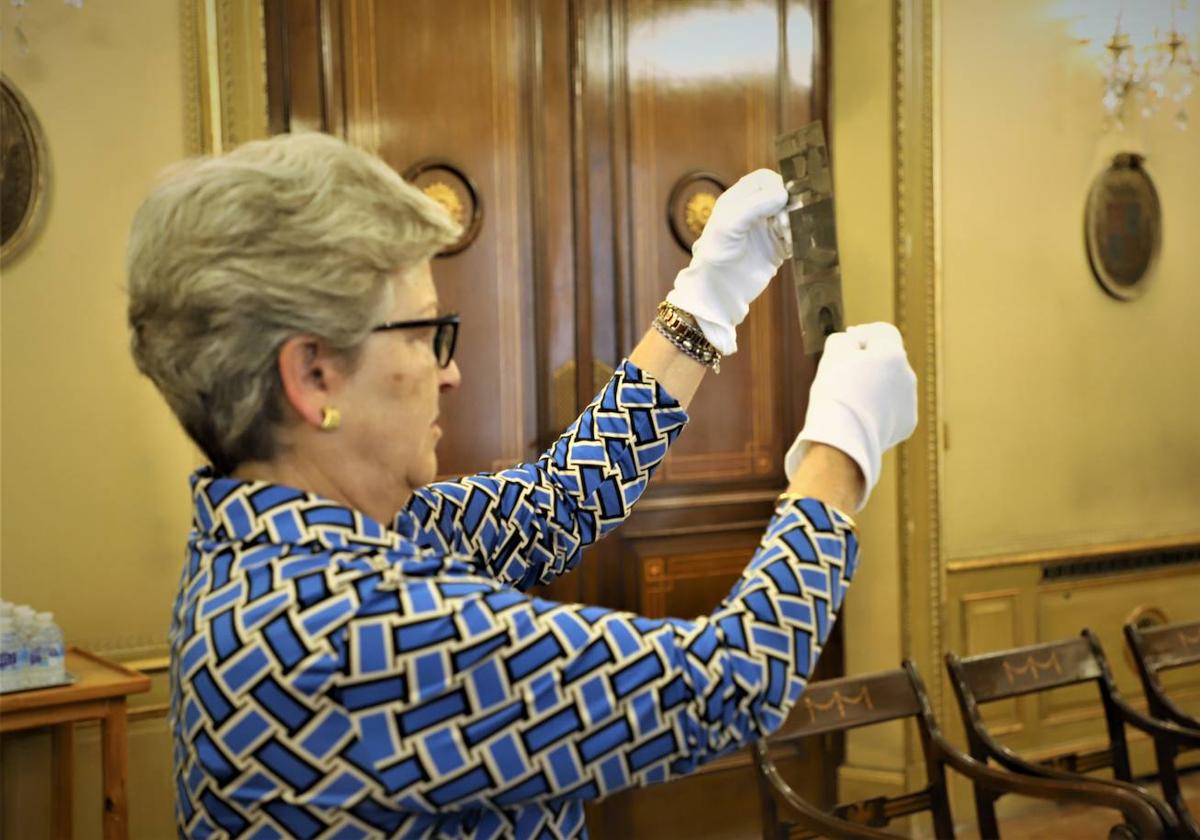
pixel 18 30
pixel 1148 61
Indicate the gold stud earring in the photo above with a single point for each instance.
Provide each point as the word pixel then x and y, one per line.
pixel 331 418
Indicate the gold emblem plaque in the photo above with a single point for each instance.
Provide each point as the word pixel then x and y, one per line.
pixel 688 206
pixel 450 187
pixel 1123 227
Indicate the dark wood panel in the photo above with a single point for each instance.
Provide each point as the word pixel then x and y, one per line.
pixel 300 40
pixel 707 86
pixel 450 80
pixel 720 801
pixel 275 22
pixel 701 82
pixel 556 266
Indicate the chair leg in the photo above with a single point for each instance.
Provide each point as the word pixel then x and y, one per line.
pixel 943 823
pixel 985 810
pixel 1168 777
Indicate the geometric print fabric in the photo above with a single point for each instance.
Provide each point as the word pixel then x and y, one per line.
pixel 335 678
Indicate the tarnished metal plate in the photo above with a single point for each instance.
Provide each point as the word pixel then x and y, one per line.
pixel 804 164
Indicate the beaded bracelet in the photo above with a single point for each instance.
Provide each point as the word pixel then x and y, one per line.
pixel 680 328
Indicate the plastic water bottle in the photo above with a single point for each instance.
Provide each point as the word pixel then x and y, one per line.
pixel 49 643
pixel 14 655
pixel 26 626
pixel 39 660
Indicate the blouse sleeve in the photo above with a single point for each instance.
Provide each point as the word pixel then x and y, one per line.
pixel 487 697
pixel 528 524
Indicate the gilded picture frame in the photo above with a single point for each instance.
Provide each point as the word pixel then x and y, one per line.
pixel 1123 227
pixel 24 172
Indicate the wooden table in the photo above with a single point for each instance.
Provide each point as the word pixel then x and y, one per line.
pixel 98 693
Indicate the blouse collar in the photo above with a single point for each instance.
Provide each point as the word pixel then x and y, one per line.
pixel 232 509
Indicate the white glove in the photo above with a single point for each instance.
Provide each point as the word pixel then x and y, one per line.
pixel 863 400
pixel 734 259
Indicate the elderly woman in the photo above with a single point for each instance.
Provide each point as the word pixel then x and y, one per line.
pixel 352 651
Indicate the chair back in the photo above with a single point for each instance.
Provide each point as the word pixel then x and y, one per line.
pixel 837 706
pixel 999 675
pixel 1010 673
pixel 850 702
pixel 853 702
pixel 1163 648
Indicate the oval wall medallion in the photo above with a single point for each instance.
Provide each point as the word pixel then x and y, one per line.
pixel 23 171
pixel 450 187
pixel 690 204
pixel 1144 617
pixel 1123 227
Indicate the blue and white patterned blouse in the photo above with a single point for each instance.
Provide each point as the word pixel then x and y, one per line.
pixel 332 677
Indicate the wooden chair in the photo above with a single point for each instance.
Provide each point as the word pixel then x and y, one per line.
pixel 978 680
pixel 848 703
pixel 1164 648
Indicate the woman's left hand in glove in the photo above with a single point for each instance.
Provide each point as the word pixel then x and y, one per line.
pixel 734 259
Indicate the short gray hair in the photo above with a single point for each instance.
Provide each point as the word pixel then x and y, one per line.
pixel 230 256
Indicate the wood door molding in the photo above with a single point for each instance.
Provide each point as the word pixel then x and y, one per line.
pixel 224 74
pixel 1187 544
pixel 922 573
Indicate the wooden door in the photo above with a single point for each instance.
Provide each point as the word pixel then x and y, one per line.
pixel 580 129
pixel 688 96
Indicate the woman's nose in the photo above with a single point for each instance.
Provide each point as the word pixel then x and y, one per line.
pixel 450 377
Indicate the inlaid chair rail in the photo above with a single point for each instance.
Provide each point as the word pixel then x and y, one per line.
pixel 1168 645
pixel 848 703
pixel 985 678
pixel 1011 673
pixel 1163 648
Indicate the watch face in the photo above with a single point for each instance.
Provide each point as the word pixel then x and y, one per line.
pixel 1123 227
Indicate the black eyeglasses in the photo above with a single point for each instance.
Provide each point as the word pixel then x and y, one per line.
pixel 445 337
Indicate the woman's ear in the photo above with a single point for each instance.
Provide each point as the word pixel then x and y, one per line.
pixel 308 372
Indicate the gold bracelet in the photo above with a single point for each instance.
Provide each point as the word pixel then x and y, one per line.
pixel 680 328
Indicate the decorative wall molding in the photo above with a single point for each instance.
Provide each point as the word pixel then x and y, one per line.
pixel 224 74
pixel 1079 559
pixel 917 313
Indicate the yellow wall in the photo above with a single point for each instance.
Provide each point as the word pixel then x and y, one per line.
pixel 94 490
pixel 94 497
pixel 1071 417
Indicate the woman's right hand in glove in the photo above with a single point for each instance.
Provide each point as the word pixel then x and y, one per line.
pixel 863 401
